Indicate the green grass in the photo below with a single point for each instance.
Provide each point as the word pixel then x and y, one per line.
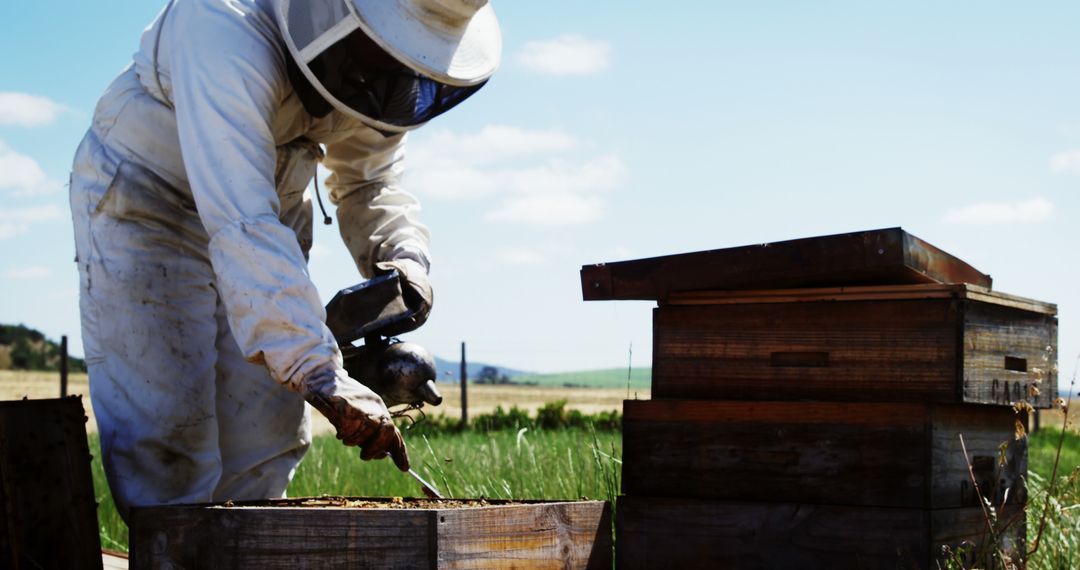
pixel 1059 545
pixel 570 464
pixel 113 531
pixel 559 464
pixel 1042 446
pixel 640 378
pixel 549 464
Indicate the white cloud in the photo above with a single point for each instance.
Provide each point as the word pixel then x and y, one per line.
pixel 541 177
pixel 35 272
pixel 1066 161
pixel 522 256
pixel 494 143
pixel 1069 128
pixel 566 55
pixel 319 250
pixel 549 210
pixel 26 110
pixel 17 221
pixel 622 252
pixel 22 175
pixel 1028 211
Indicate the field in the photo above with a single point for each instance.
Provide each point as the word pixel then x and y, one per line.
pixel 557 464
pixel 639 379
pixel 483 399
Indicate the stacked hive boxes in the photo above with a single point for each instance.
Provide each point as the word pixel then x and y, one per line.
pixel 812 400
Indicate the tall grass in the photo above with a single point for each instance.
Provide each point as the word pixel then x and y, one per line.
pixel 576 463
pixel 559 464
pixel 522 464
pixel 1059 543
pixel 113 531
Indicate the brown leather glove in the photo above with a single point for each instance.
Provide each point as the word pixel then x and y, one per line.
pixel 358 414
pixel 416 290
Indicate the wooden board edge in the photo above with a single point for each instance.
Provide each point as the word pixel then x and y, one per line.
pixel 863 293
pixel 596 283
pixel 940 265
pixel 899 414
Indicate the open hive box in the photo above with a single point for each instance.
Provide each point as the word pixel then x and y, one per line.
pixel 48 519
pixel 343 532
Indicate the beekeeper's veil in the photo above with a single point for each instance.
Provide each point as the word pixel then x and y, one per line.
pixel 394 64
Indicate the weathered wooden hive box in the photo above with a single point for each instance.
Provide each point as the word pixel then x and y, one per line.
pixel 809 399
pixel 341 532
pixel 49 514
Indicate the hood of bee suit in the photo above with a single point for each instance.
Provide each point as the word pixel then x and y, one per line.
pixel 393 64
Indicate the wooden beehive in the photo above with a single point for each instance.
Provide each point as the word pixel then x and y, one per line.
pixel 908 343
pixel 834 453
pixel 809 402
pixel 695 533
pixel 284 534
pixel 49 517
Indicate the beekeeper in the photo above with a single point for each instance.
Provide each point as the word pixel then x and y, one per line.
pixel 203 331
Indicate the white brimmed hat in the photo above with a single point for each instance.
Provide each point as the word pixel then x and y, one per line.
pixel 456 43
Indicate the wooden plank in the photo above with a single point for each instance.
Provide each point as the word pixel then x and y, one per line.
pixel 49 517
pixel 944 350
pixel 683 533
pixel 876 257
pixel 273 538
pixel 877 293
pixel 859 454
pixel 997 458
pixel 857 351
pixel 692 533
pixel 527 535
pixel 111 560
pixel 567 535
pixel 848 454
pixel 1007 352
pixel 1007 300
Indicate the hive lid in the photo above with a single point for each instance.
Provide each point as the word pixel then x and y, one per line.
pixel 888 256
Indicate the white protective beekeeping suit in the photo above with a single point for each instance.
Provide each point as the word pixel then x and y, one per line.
pixel 192 228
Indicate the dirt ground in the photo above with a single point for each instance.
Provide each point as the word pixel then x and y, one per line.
pixel 14 385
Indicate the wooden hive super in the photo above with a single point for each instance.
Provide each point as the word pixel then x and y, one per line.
pixel 954 343
pixel 809 400
pixel 338 532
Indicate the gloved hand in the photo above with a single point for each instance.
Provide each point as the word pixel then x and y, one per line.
pixel 358 414
pixel 415 288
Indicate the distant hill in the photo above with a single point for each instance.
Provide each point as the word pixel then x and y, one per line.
pixel 640 378
pixel 24 348
pixel 450 370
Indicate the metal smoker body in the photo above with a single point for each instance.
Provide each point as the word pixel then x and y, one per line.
pixel 376 311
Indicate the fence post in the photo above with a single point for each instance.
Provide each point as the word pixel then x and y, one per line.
pixel 464 378
pixel 63 366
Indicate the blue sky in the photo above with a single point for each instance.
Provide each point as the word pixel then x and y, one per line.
pixel 619 130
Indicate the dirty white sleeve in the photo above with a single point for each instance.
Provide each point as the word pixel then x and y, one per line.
pixel 378 220
pixel 226 88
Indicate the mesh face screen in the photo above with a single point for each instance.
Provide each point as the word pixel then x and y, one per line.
pixel 310 19
pixel 359 74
